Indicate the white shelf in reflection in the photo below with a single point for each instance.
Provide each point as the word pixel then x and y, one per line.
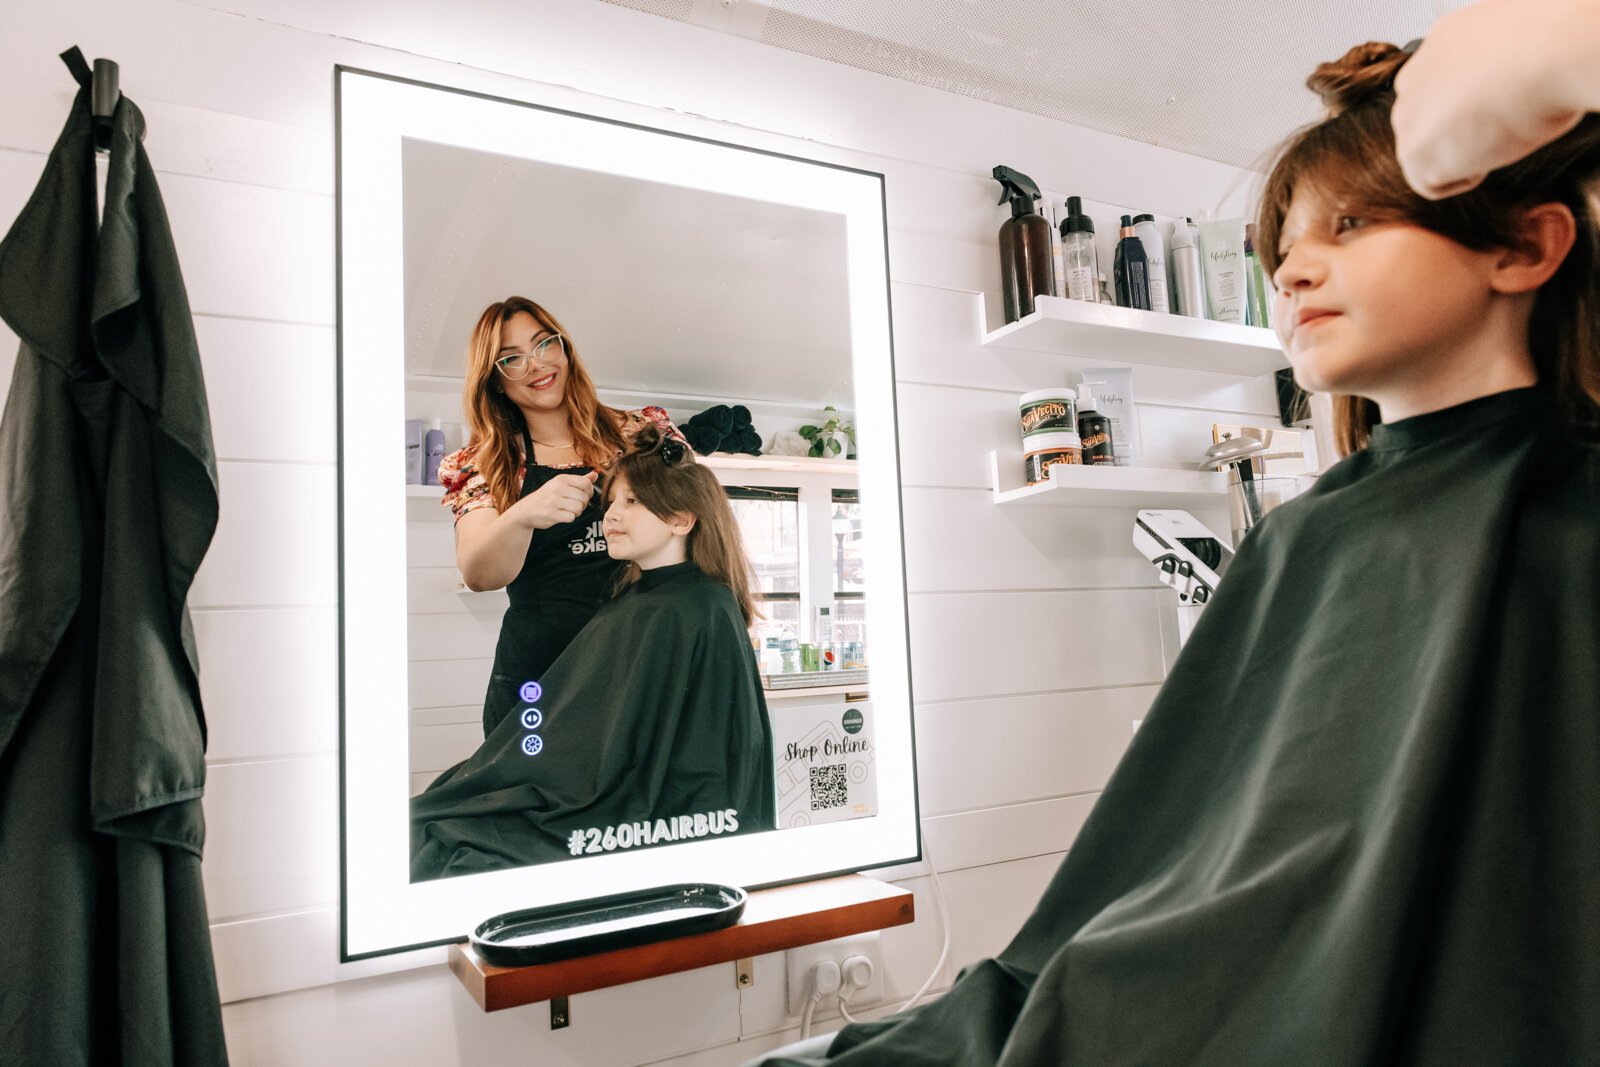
pixel 1074 485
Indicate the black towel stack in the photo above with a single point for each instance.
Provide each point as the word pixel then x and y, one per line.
pixel 722 429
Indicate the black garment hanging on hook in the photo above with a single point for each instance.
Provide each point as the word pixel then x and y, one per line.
pixel 109 488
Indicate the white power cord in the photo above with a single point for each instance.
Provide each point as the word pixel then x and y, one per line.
pixel 825 979
pixel 944 920
pixel 944 949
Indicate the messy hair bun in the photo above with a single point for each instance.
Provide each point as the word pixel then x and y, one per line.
pixel 1366 71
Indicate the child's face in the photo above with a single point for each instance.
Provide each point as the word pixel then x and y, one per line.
pixel 636 533
pixel 1375 309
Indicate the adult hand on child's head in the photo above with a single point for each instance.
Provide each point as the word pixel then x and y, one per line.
pixel 1491 83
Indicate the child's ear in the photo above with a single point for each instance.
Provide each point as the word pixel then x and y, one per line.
pixel 682 523
pixel 1545 235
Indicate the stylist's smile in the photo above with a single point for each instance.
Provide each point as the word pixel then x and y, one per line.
pixel 543 383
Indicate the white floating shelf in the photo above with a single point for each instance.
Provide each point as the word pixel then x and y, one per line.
pixel 1074 485
pixel 726 461
pixel 1129 335
pixel 734 461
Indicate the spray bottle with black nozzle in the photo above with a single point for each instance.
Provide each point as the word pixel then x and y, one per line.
pixel 1026 260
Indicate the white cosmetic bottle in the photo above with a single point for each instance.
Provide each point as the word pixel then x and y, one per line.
pixel 1188 290
pixel 1078 255
pixel 1155 250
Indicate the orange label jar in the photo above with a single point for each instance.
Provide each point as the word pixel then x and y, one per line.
pixel 1041 451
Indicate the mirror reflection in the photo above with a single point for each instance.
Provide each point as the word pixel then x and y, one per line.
pixel 637 614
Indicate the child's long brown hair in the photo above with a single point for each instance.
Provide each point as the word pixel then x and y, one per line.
pixel 496 424
pixel 1349 159
pixel 685 487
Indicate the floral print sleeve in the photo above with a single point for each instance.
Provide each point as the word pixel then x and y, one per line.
pixel 634 421
pixel 464 486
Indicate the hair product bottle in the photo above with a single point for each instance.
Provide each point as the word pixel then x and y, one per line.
pixel 1025 256
pixel 1222 260
pixel 1094 429
pixel 1078 255
pixel 1156 252
pixel 1188 291
pixel 1260 289
pixel 433 453
pixel 1131 269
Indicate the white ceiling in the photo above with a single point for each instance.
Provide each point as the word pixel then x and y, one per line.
pixel 1223 81
pixel 666 291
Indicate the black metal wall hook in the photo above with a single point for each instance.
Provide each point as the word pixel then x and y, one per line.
pixel 104 91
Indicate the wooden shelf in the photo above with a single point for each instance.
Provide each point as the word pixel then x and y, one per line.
pixel 773 920
pixel 1073 485
pixel 1129 335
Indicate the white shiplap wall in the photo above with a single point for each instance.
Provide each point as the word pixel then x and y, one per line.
pixel 1037 635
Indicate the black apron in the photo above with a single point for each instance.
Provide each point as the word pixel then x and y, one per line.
pixel 565 577
pixel 108 488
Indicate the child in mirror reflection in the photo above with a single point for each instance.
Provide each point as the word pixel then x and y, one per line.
pixel 651 728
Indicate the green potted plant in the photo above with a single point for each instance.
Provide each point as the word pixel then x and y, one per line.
pixel 828 439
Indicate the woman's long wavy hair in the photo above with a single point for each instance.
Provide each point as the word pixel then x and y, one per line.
pixel 686 488
pixel 1349 160
pixel 496 424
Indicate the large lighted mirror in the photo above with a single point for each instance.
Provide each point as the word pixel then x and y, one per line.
pixel 594 713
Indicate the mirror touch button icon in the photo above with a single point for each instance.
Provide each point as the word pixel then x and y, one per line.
pixel 530 692
pixel 532 718
pixel 532 744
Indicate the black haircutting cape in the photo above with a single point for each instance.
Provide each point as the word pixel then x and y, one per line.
pixel 1361 821
pixel 651 726
pixel 108 487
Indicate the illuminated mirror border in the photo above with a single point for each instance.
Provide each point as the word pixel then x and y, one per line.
pixel 382 911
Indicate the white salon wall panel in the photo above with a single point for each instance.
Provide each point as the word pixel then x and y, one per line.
pixel 246 168
pixel 276 542
pixel 435 685
pixel 1029 642
pixel 430 540
pixel 255 707
pixel 253 252
pixel 271 388
pixel 282 856
pixel 964 543
pixel 1013 748
pixel 447 715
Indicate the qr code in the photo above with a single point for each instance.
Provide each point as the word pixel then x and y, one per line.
pixel 828 787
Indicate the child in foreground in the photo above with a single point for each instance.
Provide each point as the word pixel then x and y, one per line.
pixel 1361 821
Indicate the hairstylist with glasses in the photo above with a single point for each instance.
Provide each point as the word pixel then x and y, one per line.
pixel 523 489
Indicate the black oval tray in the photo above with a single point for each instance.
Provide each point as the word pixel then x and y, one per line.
pixel 604 924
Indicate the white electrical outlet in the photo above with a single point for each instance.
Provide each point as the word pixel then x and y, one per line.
pixel 799 962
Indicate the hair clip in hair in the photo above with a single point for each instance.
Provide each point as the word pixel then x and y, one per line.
pixel 672 452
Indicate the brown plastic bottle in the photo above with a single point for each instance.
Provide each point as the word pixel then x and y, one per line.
pixel 1027 266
